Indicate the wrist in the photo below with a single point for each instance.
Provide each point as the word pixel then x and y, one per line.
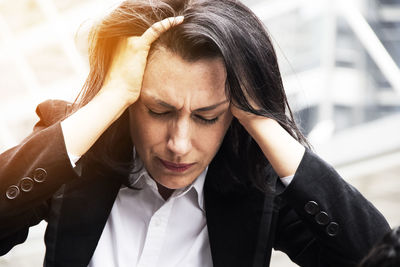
pixel 282 150
pixel 117 98
pixel 256 124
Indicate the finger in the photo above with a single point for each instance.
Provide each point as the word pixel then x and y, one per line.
pixel 152 33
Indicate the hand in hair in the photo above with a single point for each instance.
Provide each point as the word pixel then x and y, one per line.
pixel 127 69
pixel 282 150
pixel 120 89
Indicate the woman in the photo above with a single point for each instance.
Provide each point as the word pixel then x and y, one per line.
pixel 180 151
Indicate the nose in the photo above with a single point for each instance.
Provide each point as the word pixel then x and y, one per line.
pixel 179 138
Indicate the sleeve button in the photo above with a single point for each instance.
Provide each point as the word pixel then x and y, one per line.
pixel 26 184
pixel 39 175
pixel 332 229
pixel 322 218
pixel 311 207
pixel 12 192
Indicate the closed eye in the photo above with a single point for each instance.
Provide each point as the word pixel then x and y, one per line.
pixel 199 118
pixel 152 112
pixel 206 121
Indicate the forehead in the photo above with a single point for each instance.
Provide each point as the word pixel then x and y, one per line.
pixel 179 82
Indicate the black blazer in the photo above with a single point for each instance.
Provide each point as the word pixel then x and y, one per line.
pixel 318 220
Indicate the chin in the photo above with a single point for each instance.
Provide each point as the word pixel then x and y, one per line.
pixel 174 185
pixel 175 182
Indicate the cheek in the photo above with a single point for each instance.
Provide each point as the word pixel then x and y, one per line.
pixel 144 130
pixel 210 138
pixel 226 122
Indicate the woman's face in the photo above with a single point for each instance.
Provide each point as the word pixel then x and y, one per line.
pixel 181 117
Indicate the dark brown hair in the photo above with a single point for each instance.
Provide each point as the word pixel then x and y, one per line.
pixel 385 253
pixel 223 28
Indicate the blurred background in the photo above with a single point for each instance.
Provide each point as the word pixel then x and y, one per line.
pixel 340 63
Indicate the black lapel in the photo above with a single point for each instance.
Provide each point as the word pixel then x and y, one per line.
pixel 80 209
pixel 77 219
pixel 239 222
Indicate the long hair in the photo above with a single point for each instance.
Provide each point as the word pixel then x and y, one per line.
pixel 223 28
pixel 386 253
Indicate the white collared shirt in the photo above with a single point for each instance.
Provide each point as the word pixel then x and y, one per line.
pixel 144 230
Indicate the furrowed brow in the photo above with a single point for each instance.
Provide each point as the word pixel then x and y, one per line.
pixel 165 104
pixel 211 107
pixel 208 108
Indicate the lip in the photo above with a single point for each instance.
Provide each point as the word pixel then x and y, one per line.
pixel 176 167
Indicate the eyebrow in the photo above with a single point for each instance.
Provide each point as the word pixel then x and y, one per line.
pixel 208 108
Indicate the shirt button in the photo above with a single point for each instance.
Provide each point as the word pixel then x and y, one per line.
pixel 311 207
pixel 39 175
pixel 12 192
pixel 26 184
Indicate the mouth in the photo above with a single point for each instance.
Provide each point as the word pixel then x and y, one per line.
pixel 176 167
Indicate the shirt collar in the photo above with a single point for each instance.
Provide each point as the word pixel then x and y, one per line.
pixel 198 186
pixel 141 178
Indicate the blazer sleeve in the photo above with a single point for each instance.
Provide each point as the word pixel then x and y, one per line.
pixel 324 221
pixel 30 173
